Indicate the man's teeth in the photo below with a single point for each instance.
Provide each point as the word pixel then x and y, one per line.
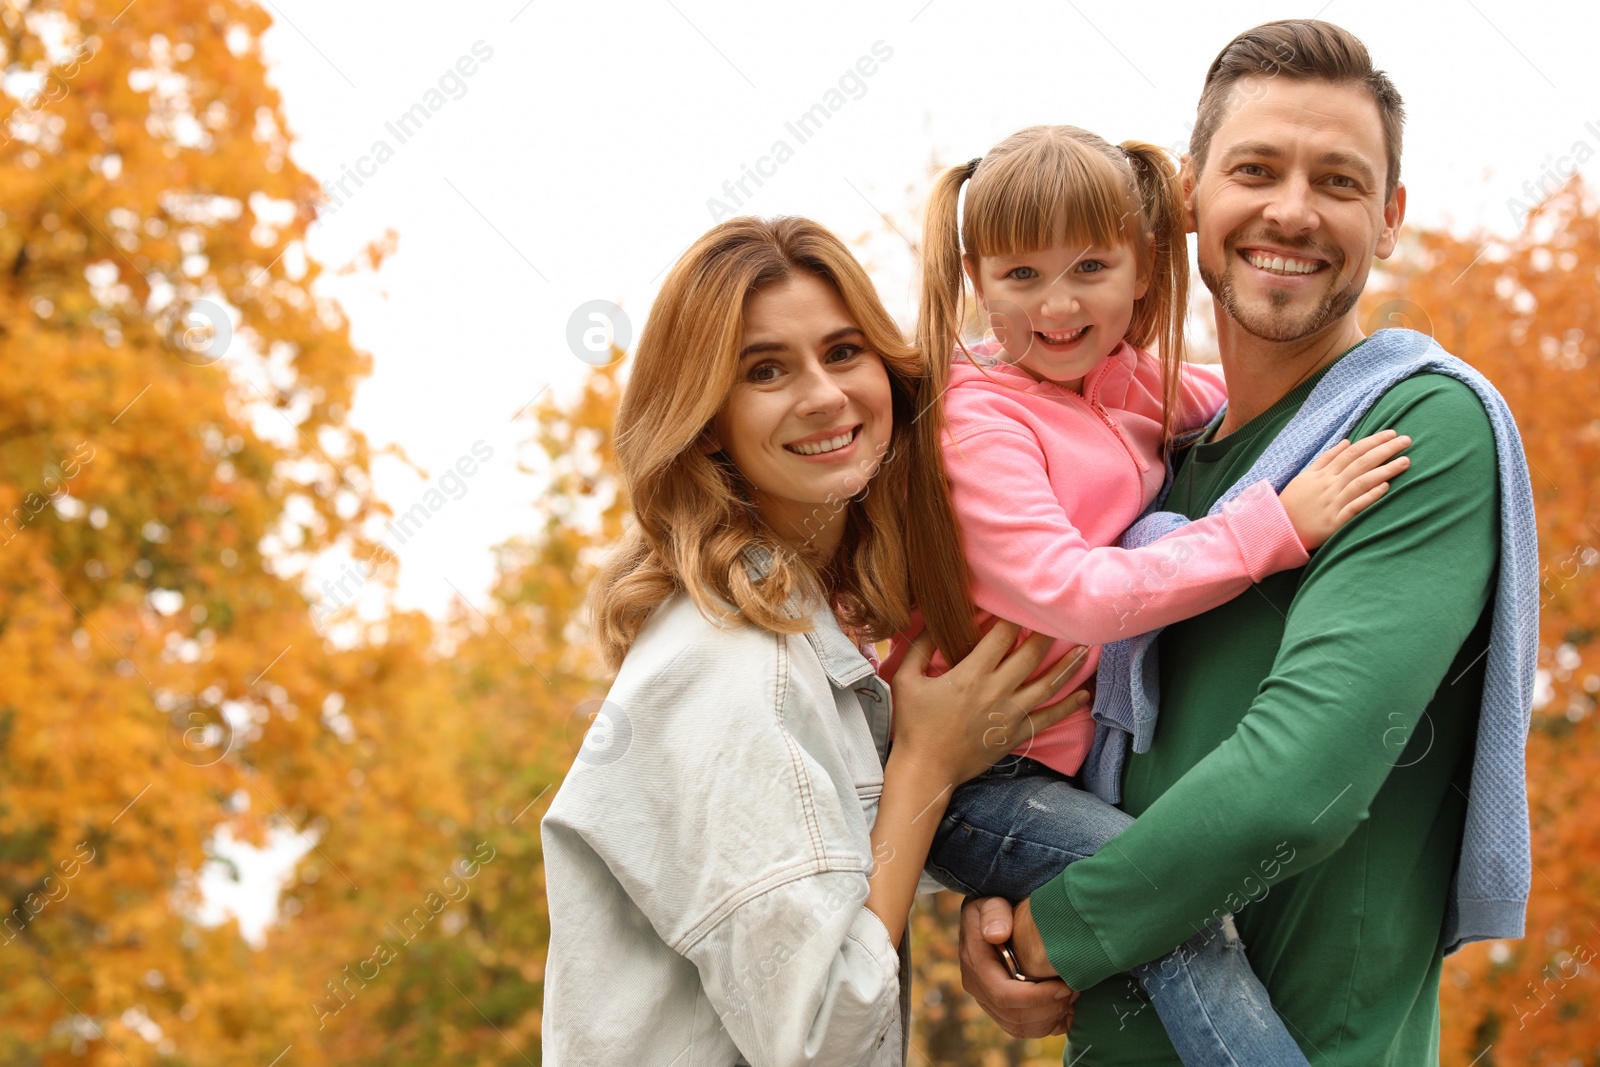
pixel 1063 338
pixel 1283 264
pixel 817 447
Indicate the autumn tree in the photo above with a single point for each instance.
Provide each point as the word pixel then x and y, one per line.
pixel 1524 311
pixel 175 451
pixel 176 446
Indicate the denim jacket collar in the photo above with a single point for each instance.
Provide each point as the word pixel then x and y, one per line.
pixel 842 660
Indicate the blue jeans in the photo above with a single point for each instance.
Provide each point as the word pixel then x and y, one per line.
pixel 1013 828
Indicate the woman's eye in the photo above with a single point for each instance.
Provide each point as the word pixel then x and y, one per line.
pixel 1022 274
pixel 844 352
pixel 763 372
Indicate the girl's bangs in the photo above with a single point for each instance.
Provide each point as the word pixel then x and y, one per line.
pixel 1051 192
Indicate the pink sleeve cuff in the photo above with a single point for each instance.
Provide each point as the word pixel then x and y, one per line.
pixel 1265 536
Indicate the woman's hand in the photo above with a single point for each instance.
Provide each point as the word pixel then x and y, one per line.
pixel 1341 483
pixel 954 727
pixel 946 730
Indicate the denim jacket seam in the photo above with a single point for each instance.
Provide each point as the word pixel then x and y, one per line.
pixel 890 1013
pixel 828 863
pixel 801 778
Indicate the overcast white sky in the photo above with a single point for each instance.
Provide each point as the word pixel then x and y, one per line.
pixel 579 158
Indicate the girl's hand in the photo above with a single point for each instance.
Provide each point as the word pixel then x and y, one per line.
pixel 1341 483
pixel 954 727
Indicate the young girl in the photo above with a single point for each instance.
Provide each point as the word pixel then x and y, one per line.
pixel 731 859
pixel 1054 442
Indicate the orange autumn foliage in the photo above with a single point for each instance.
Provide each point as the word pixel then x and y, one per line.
pixel 175 447
pixel 1525 311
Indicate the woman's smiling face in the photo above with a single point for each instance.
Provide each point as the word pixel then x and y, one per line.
pixel 808 420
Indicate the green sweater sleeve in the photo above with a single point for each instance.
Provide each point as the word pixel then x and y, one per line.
pixel 1381 612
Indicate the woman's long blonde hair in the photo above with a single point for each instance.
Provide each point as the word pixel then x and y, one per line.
pixel 1040 186
pixel 693 516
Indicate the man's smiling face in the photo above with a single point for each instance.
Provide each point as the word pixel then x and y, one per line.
pixel 1289 205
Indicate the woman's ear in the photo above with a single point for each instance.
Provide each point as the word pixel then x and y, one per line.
pixel 708 443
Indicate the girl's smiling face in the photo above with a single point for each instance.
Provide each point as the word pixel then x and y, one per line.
pixel 1059 311
pixel 808 420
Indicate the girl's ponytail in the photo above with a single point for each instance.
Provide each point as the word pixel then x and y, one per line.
pixel 940 312
pixel 1158 317
pixel 938 571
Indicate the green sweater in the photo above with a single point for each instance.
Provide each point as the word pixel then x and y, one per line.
pixel 1310 766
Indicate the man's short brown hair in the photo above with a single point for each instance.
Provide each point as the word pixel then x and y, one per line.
pixel 1302 49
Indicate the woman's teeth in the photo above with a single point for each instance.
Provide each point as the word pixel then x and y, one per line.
pixel 1283 264
pixel 833 444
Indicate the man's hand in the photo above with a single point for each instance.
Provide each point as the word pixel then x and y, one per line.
pixel 1023 1009
pixel 1028 945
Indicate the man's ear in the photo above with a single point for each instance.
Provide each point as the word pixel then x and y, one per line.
pixel 1188 178
pixel 1394 213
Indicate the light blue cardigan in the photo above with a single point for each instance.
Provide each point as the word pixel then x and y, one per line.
pixel 1489 892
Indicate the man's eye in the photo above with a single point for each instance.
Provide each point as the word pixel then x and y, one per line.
pixel 1252 170
pixel 1344 181
pixel 1022 274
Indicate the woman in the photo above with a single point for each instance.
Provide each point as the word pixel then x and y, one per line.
pixel 729 880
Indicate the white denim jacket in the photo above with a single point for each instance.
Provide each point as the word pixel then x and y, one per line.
pixel 706 859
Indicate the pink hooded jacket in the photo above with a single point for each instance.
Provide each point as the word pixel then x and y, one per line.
pixel 1044 481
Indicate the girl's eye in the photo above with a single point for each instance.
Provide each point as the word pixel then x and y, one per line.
pixel 1091 266
pixel 1022 274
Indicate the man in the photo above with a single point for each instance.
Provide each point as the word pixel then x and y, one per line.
pixel 1315 749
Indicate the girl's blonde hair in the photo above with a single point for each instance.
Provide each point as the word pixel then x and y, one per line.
pixel 1042 186
pixel 693 515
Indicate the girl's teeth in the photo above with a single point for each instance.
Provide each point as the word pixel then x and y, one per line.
pixel 830 445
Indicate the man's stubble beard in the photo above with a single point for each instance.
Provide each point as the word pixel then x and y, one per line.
pixel 1334 305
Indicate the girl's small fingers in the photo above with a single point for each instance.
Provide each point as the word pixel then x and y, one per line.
pixel 1363 484
pixel 1383 439
pixel 1381 452
pixel 1357 491
pixel 1356 450
pixel 1388 472
pixel 1330 455
pixel 1356 506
